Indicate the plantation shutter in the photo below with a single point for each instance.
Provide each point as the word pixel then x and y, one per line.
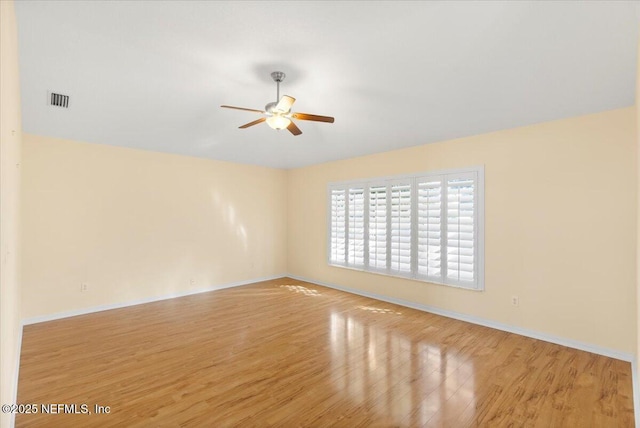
pixel 338 226
pixel 400 228
pixel 429 227
pixel 461 228
pixel 355 254
pixel 378 227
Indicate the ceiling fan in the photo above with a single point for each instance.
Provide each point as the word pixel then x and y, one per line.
pixel 278 114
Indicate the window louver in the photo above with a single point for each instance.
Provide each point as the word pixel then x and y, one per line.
pixel 460 229
pixel 430 227
pixel 356 227
pixel 378 227
pixel 400 231
pixel 338 227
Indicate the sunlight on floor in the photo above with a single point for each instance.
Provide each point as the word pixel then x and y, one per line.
pixel 300 289
pixel 378 310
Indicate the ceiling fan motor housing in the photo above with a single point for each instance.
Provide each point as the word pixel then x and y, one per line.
pixel 269 107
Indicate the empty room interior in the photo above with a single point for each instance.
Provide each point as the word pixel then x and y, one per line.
pixel 349 214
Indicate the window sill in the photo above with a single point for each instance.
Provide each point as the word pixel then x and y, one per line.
pixel 408 276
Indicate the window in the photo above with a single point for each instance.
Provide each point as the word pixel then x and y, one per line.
pixel 428 226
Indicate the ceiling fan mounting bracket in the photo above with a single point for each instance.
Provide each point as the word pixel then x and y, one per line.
pixel 278 76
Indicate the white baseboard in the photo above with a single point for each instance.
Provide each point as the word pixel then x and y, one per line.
pixel 84 311
pixel 570 343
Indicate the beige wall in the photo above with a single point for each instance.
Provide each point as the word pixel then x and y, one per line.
pixel 135 225
pixel 637 367
pixel 560 225
pixel 10 136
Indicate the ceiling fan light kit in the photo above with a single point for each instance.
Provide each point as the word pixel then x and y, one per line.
pixel 278 121
pixel 278 113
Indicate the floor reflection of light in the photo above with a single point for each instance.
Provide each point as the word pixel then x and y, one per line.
pixel 300 289
pixel 402 381
pixel 372 352
pixel 338 366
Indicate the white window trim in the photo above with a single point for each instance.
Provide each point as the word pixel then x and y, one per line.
pixel 478 171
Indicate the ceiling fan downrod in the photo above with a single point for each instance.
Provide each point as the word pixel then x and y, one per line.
pixel 278 76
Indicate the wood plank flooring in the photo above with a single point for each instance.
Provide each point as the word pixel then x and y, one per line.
pixel 287 353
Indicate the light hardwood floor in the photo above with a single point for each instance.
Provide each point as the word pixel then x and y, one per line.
pixel 288 353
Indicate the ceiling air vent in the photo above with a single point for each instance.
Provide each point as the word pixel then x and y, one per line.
pixel 58 100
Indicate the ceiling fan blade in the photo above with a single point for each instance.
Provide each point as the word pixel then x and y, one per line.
pixel 255 122
pixel 285 103
pixel 314 117
pixel 293 128
pixel 245 109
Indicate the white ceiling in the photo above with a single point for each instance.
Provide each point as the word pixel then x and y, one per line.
pixel 152 75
